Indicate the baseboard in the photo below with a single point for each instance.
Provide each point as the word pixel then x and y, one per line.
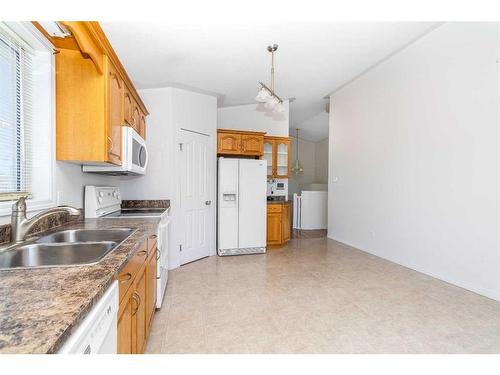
pixel 495 295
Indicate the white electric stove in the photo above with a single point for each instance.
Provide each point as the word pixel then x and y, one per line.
pixel 105 202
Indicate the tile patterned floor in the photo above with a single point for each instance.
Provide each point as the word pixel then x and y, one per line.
pixel 318 296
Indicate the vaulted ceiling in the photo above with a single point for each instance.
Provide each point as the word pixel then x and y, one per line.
pixel 313 59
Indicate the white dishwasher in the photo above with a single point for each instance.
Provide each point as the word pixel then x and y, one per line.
pixel 97 333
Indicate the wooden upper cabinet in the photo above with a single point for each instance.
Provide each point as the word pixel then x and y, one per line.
pixel 94 97
pixel 277 154
pixel 142 126
pixel 252 144
pixel 128 106
pixel 115 115
pixel 238 142
pixel 136 118
pixel 228 144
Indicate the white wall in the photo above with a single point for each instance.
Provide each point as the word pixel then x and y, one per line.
pixel 251 117
pixel 70 182
pixel 170 110
pixel 415 146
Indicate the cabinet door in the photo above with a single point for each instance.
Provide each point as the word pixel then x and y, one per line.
pixel 274 228
pixel 136 117
pixel 252 145
pixel 286 222
pixel 269 156
pixel 151 288
pixel 115 116
pixel 282 158
pixel 125 328
pixel 128 106
pixel 139 321
pixel 228 143
pixel 142 126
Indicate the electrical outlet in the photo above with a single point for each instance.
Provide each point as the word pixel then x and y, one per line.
pixel 372 234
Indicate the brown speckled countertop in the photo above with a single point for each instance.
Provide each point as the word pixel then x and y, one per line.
pixel 39 308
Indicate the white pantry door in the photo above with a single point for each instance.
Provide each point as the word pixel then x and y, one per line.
pixel 197 169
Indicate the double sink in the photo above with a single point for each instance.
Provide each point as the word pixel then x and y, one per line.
pixel 64 248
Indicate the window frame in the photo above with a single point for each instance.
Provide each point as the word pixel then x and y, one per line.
pixel 45 82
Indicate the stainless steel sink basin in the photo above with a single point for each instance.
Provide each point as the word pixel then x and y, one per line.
pixel 55 254
pixel 64 248
pixel 86 235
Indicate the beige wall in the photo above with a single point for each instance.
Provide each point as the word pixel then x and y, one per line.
pixel 313 157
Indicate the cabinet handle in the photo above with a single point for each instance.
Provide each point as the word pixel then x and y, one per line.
pixel 142 252
pixel 158 254
pixel 127 278
pixel 137 298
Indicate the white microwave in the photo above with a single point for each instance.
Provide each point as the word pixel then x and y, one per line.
pixel 134 156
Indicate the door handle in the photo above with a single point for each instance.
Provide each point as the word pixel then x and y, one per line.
pixel 208 203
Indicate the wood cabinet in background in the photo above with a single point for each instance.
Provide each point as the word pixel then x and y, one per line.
pixel 278 223
pixel 137 299
pixel 94 96
pixel 277 154
pixel 237 142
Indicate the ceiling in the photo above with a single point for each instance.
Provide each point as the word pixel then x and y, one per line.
pixel 313 59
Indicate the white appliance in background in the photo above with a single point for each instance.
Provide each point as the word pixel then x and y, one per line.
pixel 242 203
pixel 277 188
pixel 310 210
pixel 97 333
pixel 134 156
pixel 105 202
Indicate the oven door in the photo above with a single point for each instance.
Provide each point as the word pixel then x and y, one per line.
pixel 137 153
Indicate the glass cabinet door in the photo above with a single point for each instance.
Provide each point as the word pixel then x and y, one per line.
pixel 268 156
pixel 282 158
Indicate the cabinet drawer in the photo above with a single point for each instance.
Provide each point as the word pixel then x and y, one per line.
pixel 127 275
pixel 152 244
pixel 274 208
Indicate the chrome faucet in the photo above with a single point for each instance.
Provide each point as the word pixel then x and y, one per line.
pixel 21 225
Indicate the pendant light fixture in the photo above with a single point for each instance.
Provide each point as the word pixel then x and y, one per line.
pixel 297 168
pixel 266 95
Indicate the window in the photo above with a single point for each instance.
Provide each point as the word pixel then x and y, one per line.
pixel 27 118
pixel 16 107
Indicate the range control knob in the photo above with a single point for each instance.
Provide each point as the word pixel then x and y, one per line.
pixel 101 194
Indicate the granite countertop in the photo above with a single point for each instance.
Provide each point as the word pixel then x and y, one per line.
pixel 39 308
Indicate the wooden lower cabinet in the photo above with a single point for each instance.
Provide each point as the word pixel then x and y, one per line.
pixel 274 228
pixel 278 223
pixel 139 314
pixel 287 224
pixel 151 284
pixel 125 325
pixel 137 302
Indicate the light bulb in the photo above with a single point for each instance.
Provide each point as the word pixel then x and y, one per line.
pixel 262 95
pixel 271 103
pixel 279 108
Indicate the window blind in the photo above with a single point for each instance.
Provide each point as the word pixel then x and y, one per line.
pixel 16 116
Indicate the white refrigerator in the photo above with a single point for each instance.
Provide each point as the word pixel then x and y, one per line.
pixel 241 206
